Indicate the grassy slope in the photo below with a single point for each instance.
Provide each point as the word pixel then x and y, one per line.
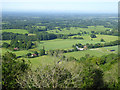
pixel 42 60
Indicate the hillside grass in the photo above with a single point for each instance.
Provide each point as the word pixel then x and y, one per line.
pixel 42 61
pixel 20 31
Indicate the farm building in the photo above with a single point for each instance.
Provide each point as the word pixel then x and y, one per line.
pixel 33 55
pixel 81 49
pixel 16 48
pixel 85 47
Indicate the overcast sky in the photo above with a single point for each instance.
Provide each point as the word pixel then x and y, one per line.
pixel 82 6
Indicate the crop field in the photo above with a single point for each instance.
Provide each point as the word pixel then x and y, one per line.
pixel 20 31
pixel 67 43
pixel 93 52
pixel 74 30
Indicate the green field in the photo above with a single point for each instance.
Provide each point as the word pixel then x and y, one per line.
pixel 93 52
pixel 42 60
pixel 18 53
pixel 67 43
pixel 2 41
pixel 20 31
pixel 74 30
pixel 61 43
pixel 107 38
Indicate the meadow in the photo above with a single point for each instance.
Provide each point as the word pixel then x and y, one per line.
pixel 20 31
pixel 42 61
pixel 93 52
pixel 67 43
pixel 74 30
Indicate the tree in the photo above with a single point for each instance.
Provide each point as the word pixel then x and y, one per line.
pixel 93 36
pixel 36 53
pixel 5 45
pixel 29 45
pixel 28 54
pixel 12 69
pixel 92 31
pixel 42 52
pixel 102 40
pixel 47 77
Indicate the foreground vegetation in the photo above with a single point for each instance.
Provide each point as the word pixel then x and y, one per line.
pixel 90 73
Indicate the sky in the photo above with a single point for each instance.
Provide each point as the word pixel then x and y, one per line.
pixel 82 6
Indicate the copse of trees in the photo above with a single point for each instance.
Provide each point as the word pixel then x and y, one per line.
pixel 78 38
pixel 5 45
pixel 19 44
pixel 93 36
pixel 40 36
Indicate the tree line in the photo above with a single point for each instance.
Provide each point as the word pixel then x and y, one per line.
pixel 18 44
pixel 97 45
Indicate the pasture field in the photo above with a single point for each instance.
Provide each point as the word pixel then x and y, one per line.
pixel 2 41
pixel 3 23
pixel 74 30
pixel 35 62
pixel 107 38
pixel 93 52
pixel 20 31
pixel 42 61
pixel 67 43
pixel 61 43
pixel 18 53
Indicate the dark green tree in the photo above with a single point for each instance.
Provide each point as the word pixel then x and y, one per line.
pixel 102 40
pixel 36 53
pixel 12 69
pixel 5 45
pixel 42 52
pixel 93 36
